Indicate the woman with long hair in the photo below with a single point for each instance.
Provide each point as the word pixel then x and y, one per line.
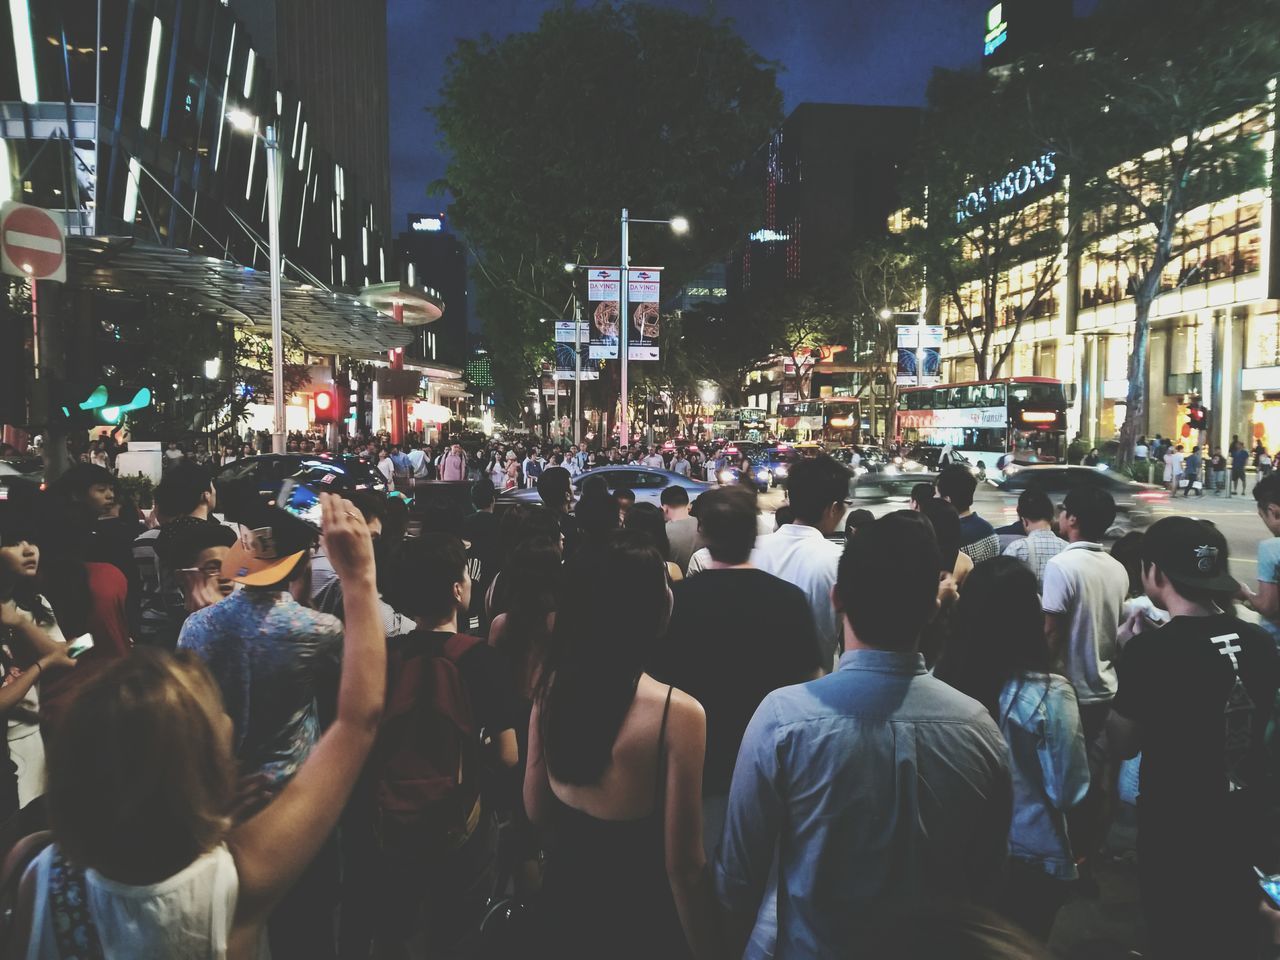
pixel 615 771
pixel 145 859
pixel 997 654
pixel 648 520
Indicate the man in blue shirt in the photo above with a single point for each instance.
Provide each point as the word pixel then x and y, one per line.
pixel 1239 460
pixel 876 783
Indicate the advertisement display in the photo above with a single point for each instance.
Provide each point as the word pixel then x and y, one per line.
pixel 643 294
pixel 908 342
pixel 931 354
pixel 919 354
pixel 604 291
pixel 564 352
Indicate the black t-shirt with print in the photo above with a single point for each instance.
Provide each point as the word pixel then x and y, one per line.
pixel 1203 757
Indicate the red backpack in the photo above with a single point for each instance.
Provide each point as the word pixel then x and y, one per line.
pixel 425 768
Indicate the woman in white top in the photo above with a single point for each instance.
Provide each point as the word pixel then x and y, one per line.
pixel 166 871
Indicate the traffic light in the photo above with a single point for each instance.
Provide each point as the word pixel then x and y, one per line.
pixel 328 406
pixel 102 405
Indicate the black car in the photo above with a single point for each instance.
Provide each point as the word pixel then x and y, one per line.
pixel 268 472
pixel 1134 501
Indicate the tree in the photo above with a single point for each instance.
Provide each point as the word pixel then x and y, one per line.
pixel 553 132
pixel 986 214
pixel 1164 114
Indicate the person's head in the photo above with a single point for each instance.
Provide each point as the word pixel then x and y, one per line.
pixel 482 494
pixel 90 484
pixel 887 582
pixel 595 657
pixel 1178 448
pixel 817 489
pixel 920 493
pixel 675 502
pixel 1186 558
pixel 1035 508
pixel 782 516
pixel 1266 493
pixel 856 519
pixel 432 583
pixel 1128 550
pixel 727 524
pixel 531 587
pixel 373 507
pixel 625 498
pixel 186 490
pixel 457 449
pixel 196 551
pixel 273 552
pixel 997 631
pixel 647 519
pixel 945 522
pixel 956 485
pixel 141 775
pixel 555 488
pixel 1088 512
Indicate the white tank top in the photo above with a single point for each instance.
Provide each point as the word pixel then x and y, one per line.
pixel 186 916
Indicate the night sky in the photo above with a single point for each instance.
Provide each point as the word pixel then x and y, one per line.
pixel 837 51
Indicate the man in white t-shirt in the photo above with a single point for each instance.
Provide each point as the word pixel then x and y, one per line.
pixel 1083 599
pixel 1173 467
pixel 653 459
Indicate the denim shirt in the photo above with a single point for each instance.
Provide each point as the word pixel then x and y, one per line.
pixel 876 781
pixel 1040 721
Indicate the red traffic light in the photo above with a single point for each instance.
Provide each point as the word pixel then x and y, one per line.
pixel 326 405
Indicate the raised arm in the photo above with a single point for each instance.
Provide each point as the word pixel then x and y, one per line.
pixel 274 847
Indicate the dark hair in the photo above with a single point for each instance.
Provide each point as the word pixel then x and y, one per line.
pixel 624 493
pixel 63 531
pixel 674 496
pixel 596 513
pixel 524 522
pixel 781 517
pixel 997 632
pixel 555 488
pixel 441 519
pixel 179 544
pixel 371 504
pixel 1093 508
pixel 75 483
pixel 944 519
pixel 887 581
pixel 181 488
pixel 922 492
pixel 1267 490
pixel 814 485
pixel 1128 550
pixel 424 579
pixel 855 519
pixel 596 657
pixel 1034 504
pixel 532 583
pixel 482 493
pixel 648 519
pixel 957 484
pixel 595 484
pixel 727 523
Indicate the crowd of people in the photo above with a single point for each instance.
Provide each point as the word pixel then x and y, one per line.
pixel 597 727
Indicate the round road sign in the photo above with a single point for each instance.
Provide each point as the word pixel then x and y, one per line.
pixel 33 242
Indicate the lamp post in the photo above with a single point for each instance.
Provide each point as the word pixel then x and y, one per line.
pixel 246 122
pixel 678 225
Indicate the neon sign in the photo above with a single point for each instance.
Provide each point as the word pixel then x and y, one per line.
pixel 768 236
pixel 997 30
pixel 1012 185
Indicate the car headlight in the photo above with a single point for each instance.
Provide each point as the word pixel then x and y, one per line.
pixel 725 476
pixel 859 471
pixel 762 473
pixel 780 470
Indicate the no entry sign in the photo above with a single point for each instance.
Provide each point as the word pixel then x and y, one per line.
pixel 32 243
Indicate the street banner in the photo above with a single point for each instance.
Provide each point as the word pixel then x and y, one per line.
pixel 908 342
pixel 604 292
pixel 931 354
pixel 564 352
pixel 643 294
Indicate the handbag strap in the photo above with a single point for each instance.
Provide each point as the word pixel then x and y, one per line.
pixel 73 929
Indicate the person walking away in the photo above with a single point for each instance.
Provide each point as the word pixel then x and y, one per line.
pixel 1196 696
pixel 150 847
pixel 733 613
pixel 878 723
pixel 422 843
pixel 998 655
pixel 1194 468
pixel 1041 544
pixel 1173 468
pixel 1083 596
pixel 799 552
pixel 1218 472
pixel 978 538
pixel 615 773
pixel 682 529
pixel 454 465
pixel 1239 460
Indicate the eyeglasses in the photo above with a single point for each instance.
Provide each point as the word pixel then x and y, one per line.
pixel 210 569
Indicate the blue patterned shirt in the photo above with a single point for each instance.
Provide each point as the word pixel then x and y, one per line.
pixel 271 657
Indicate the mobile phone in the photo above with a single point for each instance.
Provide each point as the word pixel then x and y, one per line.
pixel 80 645
pixel 1270 884
pixel 300 500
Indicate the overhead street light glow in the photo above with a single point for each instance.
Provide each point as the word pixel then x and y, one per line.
pixel 679 225
pixel 241 120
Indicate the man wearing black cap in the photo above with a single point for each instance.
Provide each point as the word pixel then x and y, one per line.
pixel 1195 697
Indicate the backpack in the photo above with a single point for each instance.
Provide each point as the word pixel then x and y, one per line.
pixel 426 763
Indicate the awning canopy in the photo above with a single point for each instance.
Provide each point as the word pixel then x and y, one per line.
pixel 321 321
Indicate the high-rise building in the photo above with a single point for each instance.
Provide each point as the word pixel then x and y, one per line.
pixel 438 260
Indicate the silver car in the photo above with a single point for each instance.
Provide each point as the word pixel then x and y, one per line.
pixel 1134 501
pixel 646 482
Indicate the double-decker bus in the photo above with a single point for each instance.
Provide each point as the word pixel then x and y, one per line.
pixel 832 421
pixel 740 423
pixel 983 420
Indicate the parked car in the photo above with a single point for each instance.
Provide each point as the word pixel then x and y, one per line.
pixel 647 483
pixel 1134 501
pixel 269 470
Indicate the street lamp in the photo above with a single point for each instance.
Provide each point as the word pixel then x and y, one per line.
pixel 679 226
pixel 886 314
pixel 248 123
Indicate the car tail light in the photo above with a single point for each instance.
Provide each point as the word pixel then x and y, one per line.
pixel 1154 495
